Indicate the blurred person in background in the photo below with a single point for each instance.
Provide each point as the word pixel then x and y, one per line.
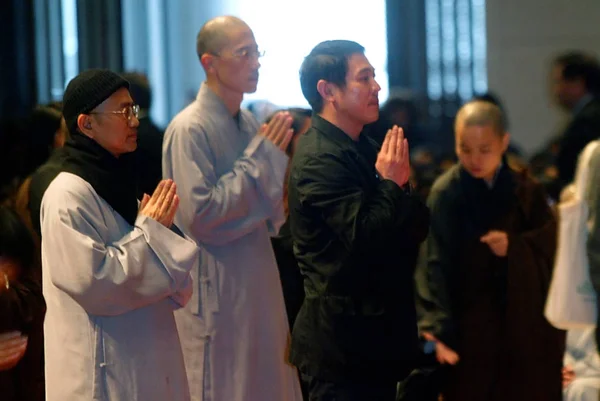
pixel 22 308
pixel 150 137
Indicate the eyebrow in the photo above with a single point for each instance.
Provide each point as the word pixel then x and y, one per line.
pixel 125 104
pixel 366 69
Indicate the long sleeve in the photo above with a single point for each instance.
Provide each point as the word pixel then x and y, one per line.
pixel 582 131
pixel 534 248
pixel 222 207
pixel 146 265
pixel 362 221
pixel 581 353
pixel 593 199
pixel 434 271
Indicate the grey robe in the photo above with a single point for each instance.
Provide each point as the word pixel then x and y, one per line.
pixel 234 331
pixel 111 290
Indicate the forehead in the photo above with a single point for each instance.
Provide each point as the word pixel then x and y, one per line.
pixel 238 36
pixel 357 63
pixel 476 134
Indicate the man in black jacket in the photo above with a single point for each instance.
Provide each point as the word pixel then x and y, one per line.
pixel 356 228
pixel 576 86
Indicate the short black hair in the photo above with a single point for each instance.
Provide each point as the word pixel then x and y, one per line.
pixel 327 61
pixel 580 65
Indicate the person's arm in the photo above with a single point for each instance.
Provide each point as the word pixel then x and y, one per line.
pixel 583 130
pixel 221 208
pixel 148 264
pixel 531 253
pixel 435 271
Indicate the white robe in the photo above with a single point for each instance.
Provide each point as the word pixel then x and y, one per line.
pixel 110 289
pixel 234 331
pixel 582 356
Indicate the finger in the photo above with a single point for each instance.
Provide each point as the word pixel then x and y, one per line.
pixel 395 145
pixel 275 125
pixel 385 147
pixel 281 130
pixel 429 337
pixel 166 193
pixel 286 139
pixel 399 140
pixel 144 201
pixel 17 349
pixel 167 200
pixel 13 345
pixel 9 335
pixel 10 360
pixel 262 130
pixel 170 215
pixel 157 192
pixel 405 154
pixel 286 133
pixel 494 240
pixel 393 141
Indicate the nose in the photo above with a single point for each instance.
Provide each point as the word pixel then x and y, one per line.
pixel 376 87
pixel 134 122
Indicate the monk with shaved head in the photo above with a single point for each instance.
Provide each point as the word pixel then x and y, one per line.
pixel 230 173
pixel 488 262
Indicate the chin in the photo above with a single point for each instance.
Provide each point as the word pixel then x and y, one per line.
pixel 251 88
pixel 371 117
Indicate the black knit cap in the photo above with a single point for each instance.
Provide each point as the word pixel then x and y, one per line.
pixel 86 91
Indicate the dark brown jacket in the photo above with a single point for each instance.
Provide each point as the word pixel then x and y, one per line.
pixel 490 309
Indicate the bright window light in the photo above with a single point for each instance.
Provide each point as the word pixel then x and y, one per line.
pixel 288 40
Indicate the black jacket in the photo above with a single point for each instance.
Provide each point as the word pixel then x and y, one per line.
pixel 355 239
pixel 583 128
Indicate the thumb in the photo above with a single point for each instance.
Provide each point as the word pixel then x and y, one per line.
pixel 262 130
pixel 489 237
pixel 145 200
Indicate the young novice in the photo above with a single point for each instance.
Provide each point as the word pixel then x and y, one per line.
pixel 486 271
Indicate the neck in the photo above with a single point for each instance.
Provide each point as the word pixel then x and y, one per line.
pixel 349 127
pixel 232 100
pixel 491 180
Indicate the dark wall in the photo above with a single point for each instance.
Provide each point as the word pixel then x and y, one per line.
pixel 407 63
pixel 17 58
pixel 100 34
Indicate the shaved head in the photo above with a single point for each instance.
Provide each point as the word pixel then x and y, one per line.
pixel 213 36
pixel 480 113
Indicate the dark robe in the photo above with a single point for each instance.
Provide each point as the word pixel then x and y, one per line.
pixel 487 308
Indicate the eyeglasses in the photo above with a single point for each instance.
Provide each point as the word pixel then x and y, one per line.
pixel 246 53
pixel 129 112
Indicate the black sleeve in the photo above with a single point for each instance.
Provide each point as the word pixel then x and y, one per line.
pixel 361 220
pixel 434 272
pixel 583 131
